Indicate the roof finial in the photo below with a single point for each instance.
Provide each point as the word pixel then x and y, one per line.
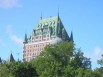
pixel 41 16
pixel 18 55
pixel 25 38
pixel 71 37
pixel 58 12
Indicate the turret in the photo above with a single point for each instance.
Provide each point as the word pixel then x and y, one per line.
pixel 25 39
pixel 0 60
pixel 71 37
pixel 11 58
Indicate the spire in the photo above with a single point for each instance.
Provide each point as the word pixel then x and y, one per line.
pixel 18 56
pixel 11 58
pixel 0 60
pixel 71 37
pixel 41 16
pixel 58 17
pixel 25 39
pixel 58 13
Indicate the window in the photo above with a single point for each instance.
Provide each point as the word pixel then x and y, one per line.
pixel 47 35
pixel 44 36
pixel 36 37
pixel 32 38
pixel 47 38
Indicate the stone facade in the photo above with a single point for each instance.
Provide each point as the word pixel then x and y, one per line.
pixel 47 31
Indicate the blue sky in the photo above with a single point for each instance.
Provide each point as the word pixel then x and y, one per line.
pixel 83 17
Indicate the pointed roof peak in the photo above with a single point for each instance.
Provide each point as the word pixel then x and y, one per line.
pixel 25 34
pixel 11 58
pixel 41 16
pixel 58 12
pixel 0 60
pixel 71 32
pixel 25 38
pixel 71 37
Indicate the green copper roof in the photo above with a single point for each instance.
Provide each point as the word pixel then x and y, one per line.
pixel 52 21
pixel 52 26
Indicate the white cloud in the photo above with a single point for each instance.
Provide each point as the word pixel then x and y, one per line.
pixel 10 3
pixel 2 43
pixel 97 51
pixel 14 37
pixel 94 55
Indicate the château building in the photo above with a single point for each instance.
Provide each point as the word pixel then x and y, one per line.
pixel 48 31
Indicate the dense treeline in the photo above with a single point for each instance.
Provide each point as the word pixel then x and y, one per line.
pixel 62 60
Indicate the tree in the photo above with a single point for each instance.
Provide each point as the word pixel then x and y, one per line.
pixel 23 69
pixel 60 60
pixel 100 62
pixel 4 71
pixel 96 73
pixel 17 69
pixel 78 60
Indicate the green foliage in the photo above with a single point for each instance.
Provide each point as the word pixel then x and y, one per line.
pixel 17 69
pixel 61 60
pixel 78 60
pixel 24 69
pixel 4 70
pixel 100 62
pixel 69 71
pixel 53 59
pixel 100 70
